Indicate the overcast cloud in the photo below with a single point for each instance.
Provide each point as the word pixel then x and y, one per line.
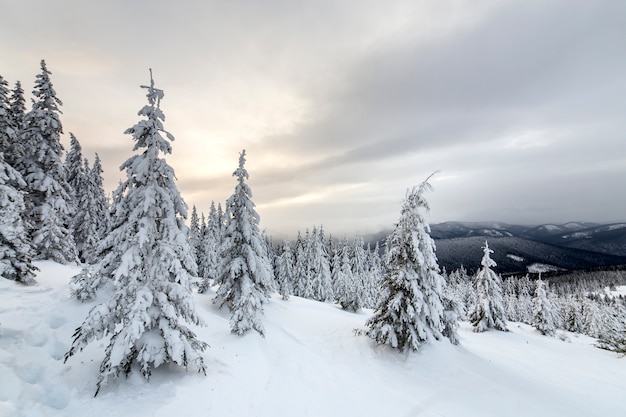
pixel 343 105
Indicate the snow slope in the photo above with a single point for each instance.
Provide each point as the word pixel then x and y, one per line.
pixel 309 364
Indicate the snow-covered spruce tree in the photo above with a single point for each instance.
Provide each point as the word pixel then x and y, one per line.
pixel 7 130
pixel 320 267
pixel 359 268
pixel 300 267
pixel 245 273
pixel 488 311
pixel 16 119
pixel 15 252
pixel 194 234
pixel 284 271
pixel 15 247
pixel 346 288
pixel 91 220
pixel 149 261
pixel 373 278
pixel 100 201
pixel 411 312
pixel 592 322
pixel 84 223
pixel 305 266
pixel 544 312
pixel 209 255
pixel 613 336
pixel 74 169
pixel 48 203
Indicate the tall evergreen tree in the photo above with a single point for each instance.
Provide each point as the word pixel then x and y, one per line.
pixel 373 278
pixel 284 271
pixel 15 252
pixel 100 200
pixel 92 214
pixel 16 114
pixel 411 312
pixel 301 267
pixel 347 291
pixel 209 256
pixel 305 266
pixel 245 275
pixel 613 336
pixel 359 268
pixel 321 285
pixel 195 240
pixel 75 169
pixel 48 201
pixel 488 311
pixel 7 128
pixel 148 259
pixel 544 312
pixel 592 323
pixel 84 221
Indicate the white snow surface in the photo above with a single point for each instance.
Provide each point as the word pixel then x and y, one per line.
pixel 538 267
pixel 616 226
pixel 515 257
pixel 309 364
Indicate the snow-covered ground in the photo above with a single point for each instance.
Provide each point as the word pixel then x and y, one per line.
pixel 309 364
pixel 538 267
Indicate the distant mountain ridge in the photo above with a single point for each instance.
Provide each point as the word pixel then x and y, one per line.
pixel 520 249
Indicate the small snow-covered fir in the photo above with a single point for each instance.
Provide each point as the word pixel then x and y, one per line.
pixel 488 310
pixel 284 271
pixel 245 274
pixel 411 311
pixel 544 311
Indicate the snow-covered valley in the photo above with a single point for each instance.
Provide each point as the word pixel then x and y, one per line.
pixel 309 364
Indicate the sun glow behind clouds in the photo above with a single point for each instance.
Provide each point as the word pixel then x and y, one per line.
pixel 529 139
pixel 325 195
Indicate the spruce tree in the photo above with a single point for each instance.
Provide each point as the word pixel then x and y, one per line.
pixel 245 275
pixel 544 312
pixel 347 291
pixel 15 252
pixel 300 267
pixel 321 285
pixel 284 271
pixel 16 114
pixel 74 169
pixel 359 268
pixel 488 311
pixel 592 322
pixel 100 201
pixel 84 221
pixel 7 130
pixel 411 311
pixel 91 219
pixel 48 200
pixel 147 258
pixel 194 234
pixel 305 267
pixel 209 255
pixel 373 277
pixel 15 246
pixel 613 335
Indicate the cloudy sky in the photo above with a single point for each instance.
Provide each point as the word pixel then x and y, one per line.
pixel 343 105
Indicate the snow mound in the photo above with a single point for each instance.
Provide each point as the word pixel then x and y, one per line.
pixel 310 363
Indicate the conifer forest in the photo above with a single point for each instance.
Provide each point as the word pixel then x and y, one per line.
pixel 150 276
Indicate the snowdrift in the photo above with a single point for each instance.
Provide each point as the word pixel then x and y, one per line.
pixel 309 364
